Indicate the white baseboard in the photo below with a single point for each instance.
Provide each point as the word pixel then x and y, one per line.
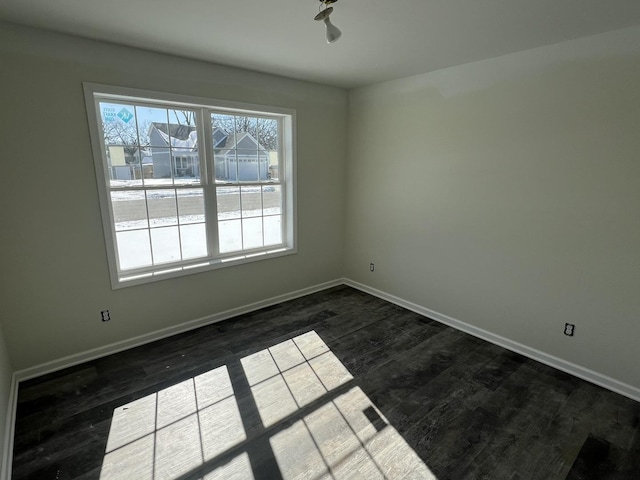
pixel 10 424
pixel 542 357
pixel 116 347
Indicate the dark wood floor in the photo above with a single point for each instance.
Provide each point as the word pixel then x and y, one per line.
pixel 338 384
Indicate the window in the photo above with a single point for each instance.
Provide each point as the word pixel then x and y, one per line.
pixel 188 184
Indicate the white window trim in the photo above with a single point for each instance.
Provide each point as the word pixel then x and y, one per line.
pixel 288 182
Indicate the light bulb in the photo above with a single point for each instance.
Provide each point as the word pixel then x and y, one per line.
pixel 333 32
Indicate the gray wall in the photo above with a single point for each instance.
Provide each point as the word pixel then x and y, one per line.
pixel 506 194
pixel 5 390
pixel 52 243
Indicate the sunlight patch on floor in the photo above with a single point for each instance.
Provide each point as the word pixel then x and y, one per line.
pixel 339 441
pixel 174 431
pixel 292 374
pixel 196 427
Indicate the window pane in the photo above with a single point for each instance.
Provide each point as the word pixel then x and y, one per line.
pixel 252 232
pixel 247 165
pixel 273 230
pixel 223 127
pixel 183 128
pixel 152 126
pixel 186 166
pixel 172 146
pixel 124 167
pixel 158 166
pixel 230 236
pixel 268 133
pixel 225 165
pixel 246 131
pixel 251 201
pixel 119 125
pixel 166 244
pixel 162 207
pixel 273 172
pixel 228 199
pixel 134 250
pixel 263 165
pixel 129 210
pixel 193 239
pixel 190 205
pixel 272 199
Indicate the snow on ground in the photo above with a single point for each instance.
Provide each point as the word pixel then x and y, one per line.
pixel 169 242
pixel 172 236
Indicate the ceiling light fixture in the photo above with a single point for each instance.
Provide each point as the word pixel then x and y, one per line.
pixel 333 32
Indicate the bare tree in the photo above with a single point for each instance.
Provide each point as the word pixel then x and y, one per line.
pixel 185 117
pixel 126 135
pixel 120 133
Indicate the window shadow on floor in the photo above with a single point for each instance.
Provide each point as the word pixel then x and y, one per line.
pixel 288 411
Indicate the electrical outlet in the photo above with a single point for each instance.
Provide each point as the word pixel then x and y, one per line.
pixel 105 315
pixel 569 328
pixel 372 267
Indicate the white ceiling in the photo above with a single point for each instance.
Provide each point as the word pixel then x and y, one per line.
pixel 381 40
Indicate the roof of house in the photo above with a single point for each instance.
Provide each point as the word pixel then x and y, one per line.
pixel 186 136
pixel 181 132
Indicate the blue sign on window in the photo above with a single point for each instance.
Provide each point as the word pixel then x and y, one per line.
pixel 125 115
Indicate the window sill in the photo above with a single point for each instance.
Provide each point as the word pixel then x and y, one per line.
pixel 124 280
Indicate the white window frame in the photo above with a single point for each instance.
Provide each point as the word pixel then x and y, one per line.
pixel 94 93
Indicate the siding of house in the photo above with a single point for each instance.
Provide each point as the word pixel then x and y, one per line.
pixel 161 163
pixel 246 161
pixel 161 155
